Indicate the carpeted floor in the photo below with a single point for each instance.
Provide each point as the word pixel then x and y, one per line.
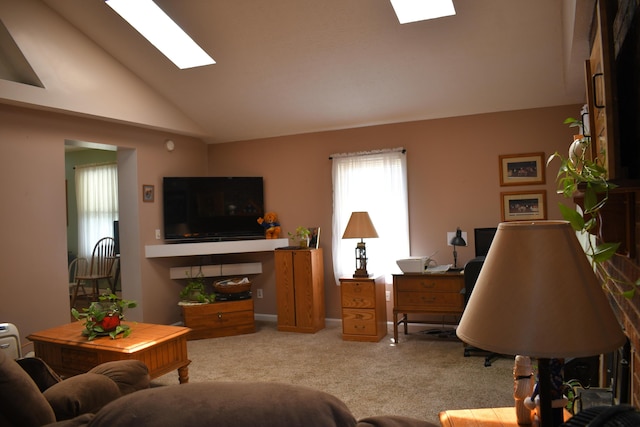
pixel 418 378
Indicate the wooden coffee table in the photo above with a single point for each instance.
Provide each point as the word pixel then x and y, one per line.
pixel 484 417
pixel 162 348
pixel 495 417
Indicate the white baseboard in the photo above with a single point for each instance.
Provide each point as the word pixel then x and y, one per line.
pixel 418 327
pixel 412 327
pixel 266 317
pixel 274 318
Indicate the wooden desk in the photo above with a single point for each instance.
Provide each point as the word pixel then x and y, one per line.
pixel 485 417
pixel 162 348
pixel 436 293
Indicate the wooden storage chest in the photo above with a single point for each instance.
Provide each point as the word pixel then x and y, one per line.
pixel 219 319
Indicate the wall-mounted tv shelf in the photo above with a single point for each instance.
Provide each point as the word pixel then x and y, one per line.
pixel 210 248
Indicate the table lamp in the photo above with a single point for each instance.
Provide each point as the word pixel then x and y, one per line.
pixel 457 240
pixel 360 227
pixel 536 282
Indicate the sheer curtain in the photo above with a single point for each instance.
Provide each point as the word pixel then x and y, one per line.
pixel 97 198
pixel 375 182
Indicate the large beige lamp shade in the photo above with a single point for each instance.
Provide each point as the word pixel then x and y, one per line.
pixel 360 227
pixel 537 295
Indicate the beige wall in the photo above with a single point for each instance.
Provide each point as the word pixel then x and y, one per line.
pixel 453 181
pixel 452 173
pixel 33 258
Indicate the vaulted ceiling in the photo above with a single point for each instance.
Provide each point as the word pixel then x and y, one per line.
pixel 296 66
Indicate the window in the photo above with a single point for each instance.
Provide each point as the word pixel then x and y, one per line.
pixel 375 182
pixel 97 198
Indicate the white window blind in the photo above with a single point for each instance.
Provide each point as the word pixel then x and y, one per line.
pixel 97 199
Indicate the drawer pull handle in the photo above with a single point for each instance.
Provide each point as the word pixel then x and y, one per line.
pixel 357 299
pixel 428 285
pixel 359 316
pixel 595 92
pixel 428 299
pixel 219 315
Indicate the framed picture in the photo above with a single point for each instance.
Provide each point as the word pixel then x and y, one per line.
pixel 148 193
pixel 524 205
pixel 314 237
pixel 522 169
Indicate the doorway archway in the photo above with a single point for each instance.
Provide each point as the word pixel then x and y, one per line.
pixel 129 241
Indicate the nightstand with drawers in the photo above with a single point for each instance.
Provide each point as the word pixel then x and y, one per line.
pixel 435 293
pixel 364 309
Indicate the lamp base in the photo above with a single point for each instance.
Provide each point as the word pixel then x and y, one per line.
pixel 361 273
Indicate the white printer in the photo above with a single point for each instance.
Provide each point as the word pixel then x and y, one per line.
pixel 416 264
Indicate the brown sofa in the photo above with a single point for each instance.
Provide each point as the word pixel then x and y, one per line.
pixel 90 400
pixel 31 394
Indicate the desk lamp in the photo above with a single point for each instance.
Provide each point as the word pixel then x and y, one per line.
pixel 360 227
pixel 457 240
pixel 536 282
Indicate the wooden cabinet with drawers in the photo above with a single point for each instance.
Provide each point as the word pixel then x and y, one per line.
pixel 438 293
pixel 300 290
pixel 364 309
pixel 219 319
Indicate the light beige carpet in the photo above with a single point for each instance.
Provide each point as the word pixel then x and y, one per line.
pixel 418 378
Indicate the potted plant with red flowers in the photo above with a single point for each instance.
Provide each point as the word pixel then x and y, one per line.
pixel 103 317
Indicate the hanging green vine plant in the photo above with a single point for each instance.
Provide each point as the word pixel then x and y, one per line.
pixel 578 173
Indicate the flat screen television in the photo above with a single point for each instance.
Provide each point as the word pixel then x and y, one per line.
pixel 627 108
pixel 483 238
pixel 212 208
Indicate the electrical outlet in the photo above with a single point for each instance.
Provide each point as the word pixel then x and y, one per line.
pixel 388 295
pixel 158 235
pixel 259 293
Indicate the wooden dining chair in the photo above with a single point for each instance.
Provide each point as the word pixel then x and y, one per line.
pixel 100 268
pixel 77 267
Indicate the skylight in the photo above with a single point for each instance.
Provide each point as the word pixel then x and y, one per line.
pixel 162 32
pixel 421 10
